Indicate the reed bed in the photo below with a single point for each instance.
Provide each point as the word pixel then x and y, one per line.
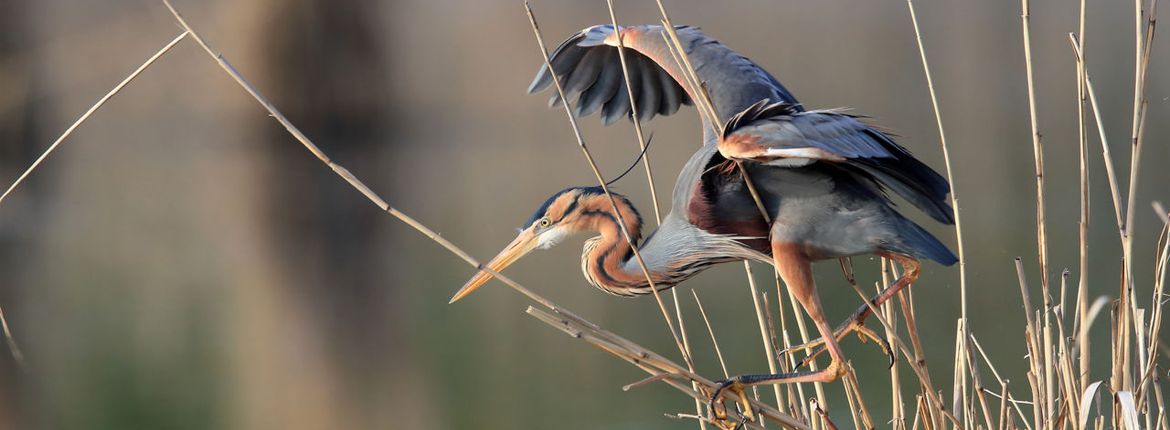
pixel 1058 390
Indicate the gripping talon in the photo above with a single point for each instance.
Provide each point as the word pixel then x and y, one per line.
pixel 719 416
pixel 865 334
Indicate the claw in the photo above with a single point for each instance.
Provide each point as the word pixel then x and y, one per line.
pixel 719 416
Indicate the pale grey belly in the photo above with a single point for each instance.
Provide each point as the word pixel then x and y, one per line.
pixel 829 227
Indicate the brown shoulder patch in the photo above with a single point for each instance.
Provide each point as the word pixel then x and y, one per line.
pixel 742 146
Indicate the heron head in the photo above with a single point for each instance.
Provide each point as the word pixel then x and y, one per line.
pixel 557 218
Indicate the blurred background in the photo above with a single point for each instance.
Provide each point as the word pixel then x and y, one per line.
pixel 181 262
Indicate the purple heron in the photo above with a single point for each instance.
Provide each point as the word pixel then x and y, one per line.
pixel 821 175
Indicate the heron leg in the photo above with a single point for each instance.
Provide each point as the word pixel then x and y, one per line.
pixel 855 323
pixel 795 269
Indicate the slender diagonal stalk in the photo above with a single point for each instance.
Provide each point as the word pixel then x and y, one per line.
pixel 1037 148
pixel 636 354
pixel 12 345
pixel 1044 376
pixel 604 187
pixel 101 102
pixel 769 353
pixel 942 138
pixel 634 115
pixel 1083 230
pixel 1110 173
pixel 960 382
pixel 707 108
pixel 653 363
pixel 344 173
pixel 1141 61
pixel 710 331
pixel 917 365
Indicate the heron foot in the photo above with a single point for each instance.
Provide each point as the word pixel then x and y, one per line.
pixel 718 416
pixel 737 385
pixel 854 324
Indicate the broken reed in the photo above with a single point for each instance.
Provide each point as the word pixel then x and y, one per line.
pixel 1059 394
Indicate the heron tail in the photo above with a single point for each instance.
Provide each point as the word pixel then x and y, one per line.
pixel 915 241
pixel 915 182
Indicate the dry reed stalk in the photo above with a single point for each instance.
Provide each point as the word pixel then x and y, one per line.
pixel 621 47
pixel 85 116
pixel 611 342
pixel 1141 63
pixel 935 409
pixel 710 331
pixel 652 362
pixel 12 345
pixel 682 328
pixel 1105 153
pixel 344 173
pixel 636 354
pixel 604 187
pixel 705 106
pixel 853 391
pixel 761 310
pixel 1083 223
pixel 793 399
pixel 960 377
pixel 978 388
pixel 1044 368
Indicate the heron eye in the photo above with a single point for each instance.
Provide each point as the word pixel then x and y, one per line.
pixel 544 222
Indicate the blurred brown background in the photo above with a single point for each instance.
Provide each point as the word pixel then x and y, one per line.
pixel 183 263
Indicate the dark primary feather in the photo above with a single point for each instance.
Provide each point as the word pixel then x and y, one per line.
pixel 652 90
pixel 591 74
pixel 604 88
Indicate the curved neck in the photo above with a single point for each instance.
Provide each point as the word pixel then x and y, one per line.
pixel 608 260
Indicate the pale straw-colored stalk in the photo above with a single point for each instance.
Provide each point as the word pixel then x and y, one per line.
pixel 12 345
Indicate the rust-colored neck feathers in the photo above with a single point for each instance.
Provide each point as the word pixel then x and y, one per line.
pixel 607 258
pixel 607 261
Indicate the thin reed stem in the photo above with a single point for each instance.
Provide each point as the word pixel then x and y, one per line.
pixel 711 331
pixel 345 174
pixel 101 102
pixel 604 187
pixel 1083 224
pixel 707 108
pixel 634 115
pixel 1044 371
pixel 12 345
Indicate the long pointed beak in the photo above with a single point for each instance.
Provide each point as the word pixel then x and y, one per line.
pixel 522 245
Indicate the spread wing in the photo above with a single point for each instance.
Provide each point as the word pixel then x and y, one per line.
pixel 778 135
pixel 589 68
pixel 590 71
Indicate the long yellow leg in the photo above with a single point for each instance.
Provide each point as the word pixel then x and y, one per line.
pixel 855 323
pixel 795 269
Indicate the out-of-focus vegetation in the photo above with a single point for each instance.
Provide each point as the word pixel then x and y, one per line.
pixel 182 263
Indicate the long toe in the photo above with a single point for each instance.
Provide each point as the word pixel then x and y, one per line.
pixel 864 333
